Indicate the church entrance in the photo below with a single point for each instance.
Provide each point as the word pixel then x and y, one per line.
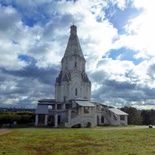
pixel 51 120
pixel 102 119
pixel 88 125
pixel 41 119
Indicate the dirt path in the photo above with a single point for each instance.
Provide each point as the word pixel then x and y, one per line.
pixel 3 130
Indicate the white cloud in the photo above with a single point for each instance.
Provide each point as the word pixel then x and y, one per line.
pixel 114 82
pixel 122 4
pixel 140 32
pixel 37 38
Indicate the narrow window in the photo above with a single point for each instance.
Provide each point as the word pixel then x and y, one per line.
pixel 76 92
pixel 75 65
pixel 122 118
pixel 64 98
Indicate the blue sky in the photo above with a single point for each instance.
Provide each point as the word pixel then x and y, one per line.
pixel 116 36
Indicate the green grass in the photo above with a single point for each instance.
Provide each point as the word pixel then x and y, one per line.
pixel 77 142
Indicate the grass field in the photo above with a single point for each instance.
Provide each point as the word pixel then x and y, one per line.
pixel 77 142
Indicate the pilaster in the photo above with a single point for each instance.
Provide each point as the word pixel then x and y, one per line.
pixel 56 121
pixel 36 120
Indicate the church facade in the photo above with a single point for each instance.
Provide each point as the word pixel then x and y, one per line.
pixel 72 106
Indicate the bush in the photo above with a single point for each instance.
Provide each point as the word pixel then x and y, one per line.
pixel 19 117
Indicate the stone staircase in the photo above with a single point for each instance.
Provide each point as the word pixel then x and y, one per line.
pixel 82 120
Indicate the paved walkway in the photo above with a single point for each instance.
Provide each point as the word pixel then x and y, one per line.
pixel 122 128
pixel 97 128
pixel 3 130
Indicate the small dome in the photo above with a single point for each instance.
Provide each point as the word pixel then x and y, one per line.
pixel 73 29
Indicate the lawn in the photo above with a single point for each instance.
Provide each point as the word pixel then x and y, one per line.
pixel 77 142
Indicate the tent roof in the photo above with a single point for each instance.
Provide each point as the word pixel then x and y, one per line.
pixel 42 109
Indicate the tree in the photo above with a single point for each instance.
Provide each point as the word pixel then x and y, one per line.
pixel 25 117
pixel 21 117
pixel 134 116
pixel 8 118
pixel 148 116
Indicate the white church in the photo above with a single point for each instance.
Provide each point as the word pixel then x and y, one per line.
pixel 72 106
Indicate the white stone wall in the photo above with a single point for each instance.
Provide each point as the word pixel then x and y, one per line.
pixel 73 62
pixel 68 89
pixel 72 67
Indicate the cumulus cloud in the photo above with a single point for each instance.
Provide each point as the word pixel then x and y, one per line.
pixel 140 31
pixel 119 83
pixel 26 86
pixel 34 36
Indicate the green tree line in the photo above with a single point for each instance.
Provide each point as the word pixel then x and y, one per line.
pixel 140 117
pixel 135 117
pixel 21 117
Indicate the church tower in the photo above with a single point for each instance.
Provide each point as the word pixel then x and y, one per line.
pixel 72 81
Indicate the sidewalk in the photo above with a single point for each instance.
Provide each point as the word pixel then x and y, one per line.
pixel 122 128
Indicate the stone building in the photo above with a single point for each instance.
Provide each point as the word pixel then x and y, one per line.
pixel 72 106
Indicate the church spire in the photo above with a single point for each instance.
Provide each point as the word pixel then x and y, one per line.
pixel 73 46
pixel 72 82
